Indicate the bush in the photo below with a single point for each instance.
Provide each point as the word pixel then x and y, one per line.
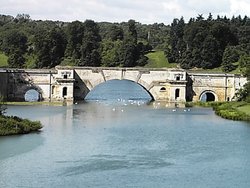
pixel 229 111
pixel 10 125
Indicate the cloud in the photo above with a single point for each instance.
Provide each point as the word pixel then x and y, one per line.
pixel 144 11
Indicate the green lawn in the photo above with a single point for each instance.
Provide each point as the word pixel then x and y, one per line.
pixel 3 60
pixel 157 59
pixel 245 108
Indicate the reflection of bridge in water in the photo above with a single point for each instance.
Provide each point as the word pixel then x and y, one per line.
pixel 74 83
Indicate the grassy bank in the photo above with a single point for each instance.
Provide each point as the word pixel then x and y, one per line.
pixel 11 125
pixel 3 60
pixel 228 110
pixel 157 59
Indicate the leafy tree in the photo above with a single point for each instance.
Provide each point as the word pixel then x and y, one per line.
pixel 129 48
pixel 49 47
pixel 176 40
pixel 16 59
pixel 111 53
pixel 14 40
pixel 230 56
pixel 210 53
pixel 75 33
pixel 90 55
pixel 116 33
pixel 15 46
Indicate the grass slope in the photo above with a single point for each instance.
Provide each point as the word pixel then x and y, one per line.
pixel 3 60
pixel 157 59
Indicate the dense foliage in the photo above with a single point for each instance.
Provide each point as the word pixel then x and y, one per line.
pixel 44 44
pixel 10 125
pixel 209 43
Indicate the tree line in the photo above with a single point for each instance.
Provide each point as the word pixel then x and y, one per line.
pixel 210 43
pixel 44 44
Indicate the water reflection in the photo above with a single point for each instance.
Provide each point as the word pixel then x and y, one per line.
pixel 119 91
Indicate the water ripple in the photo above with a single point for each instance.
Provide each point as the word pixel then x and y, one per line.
pixel 98 163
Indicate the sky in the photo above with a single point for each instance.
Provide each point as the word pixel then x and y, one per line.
pixel 143 11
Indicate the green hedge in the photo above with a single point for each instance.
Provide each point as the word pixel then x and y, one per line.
pixel 10 125
pixel 230 111
pixel 227 110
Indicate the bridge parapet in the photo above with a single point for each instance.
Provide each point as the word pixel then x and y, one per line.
pixel 69 83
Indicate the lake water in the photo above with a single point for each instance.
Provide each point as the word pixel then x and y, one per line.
pixel 126 142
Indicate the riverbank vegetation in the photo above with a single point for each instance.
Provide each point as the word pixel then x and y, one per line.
pixel 233 110
pixel 12 125
pixel 228 110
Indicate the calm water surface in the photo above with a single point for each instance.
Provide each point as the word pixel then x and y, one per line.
pixel 126 143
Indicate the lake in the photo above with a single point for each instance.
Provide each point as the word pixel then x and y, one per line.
pixel 118 139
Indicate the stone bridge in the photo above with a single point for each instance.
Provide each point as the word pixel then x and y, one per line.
pixel 74 83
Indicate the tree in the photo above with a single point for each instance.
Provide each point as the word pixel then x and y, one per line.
pixel 230 56
pixel 75 33
pixel 15 46
pixel 129 48
pixel 16 59
pixel 14 40
pixel 176 40
pixel 90 55
pixel 111 53
pixel 49 47
pixel 116 33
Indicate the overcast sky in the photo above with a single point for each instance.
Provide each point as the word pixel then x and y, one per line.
pixel 144 11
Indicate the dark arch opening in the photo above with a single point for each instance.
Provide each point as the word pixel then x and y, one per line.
pixel 207 97
pixel 32 95
pixel 177 93
pixel 64 91
pixel 115 90
pixel 163 89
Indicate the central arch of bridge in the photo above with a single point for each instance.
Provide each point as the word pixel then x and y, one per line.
pixel 88 79
pixel 119 89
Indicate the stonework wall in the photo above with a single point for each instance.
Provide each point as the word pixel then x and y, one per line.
pixel 69 83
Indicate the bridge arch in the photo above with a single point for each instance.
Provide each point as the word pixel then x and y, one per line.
pixel 90 87
pixel 208 96
pixel 25 89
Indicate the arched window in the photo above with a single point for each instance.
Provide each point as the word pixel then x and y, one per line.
pixel 177 93
pixel 163 89
pixel 64 92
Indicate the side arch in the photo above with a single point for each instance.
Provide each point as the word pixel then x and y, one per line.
pixel 208 96
pixel 24 89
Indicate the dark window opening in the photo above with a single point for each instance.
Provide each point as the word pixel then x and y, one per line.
pixel 178 78
pixel 53 90
pixel 65 76
pixel 64 91
pixel 163 89
pixel 228 99
pixel 177 93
